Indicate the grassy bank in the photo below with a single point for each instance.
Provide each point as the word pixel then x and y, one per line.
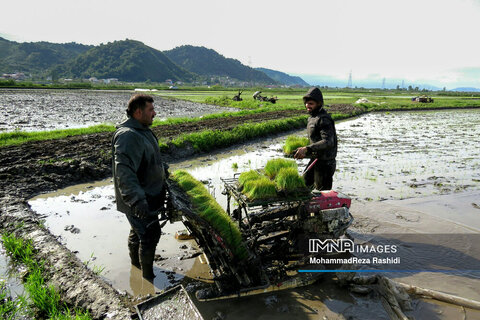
pixel 19 137
pixel 45 300
pixel 211 139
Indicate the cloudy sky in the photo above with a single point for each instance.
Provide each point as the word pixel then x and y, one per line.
pixel 426 41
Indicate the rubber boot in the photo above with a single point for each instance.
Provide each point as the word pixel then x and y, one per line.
pixel 133 248
pixel 147 256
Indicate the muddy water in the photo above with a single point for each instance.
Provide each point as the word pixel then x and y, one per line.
pixel 412 154
pixel 10 281
pixel 38 110
pixel 85 220
pixel 7 275
pixel 380 156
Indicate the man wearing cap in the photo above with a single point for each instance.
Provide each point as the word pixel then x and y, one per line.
pixel 139 178
pixel 322 149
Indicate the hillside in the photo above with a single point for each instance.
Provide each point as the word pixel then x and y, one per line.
pixel 126 60
pixel 283 78
pixel 36 57
pixel 207 62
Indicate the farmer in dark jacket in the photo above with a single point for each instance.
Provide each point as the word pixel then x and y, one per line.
pixel 139 178
pixel 323 143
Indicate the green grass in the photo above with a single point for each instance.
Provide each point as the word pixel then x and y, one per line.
pixel 293 143
pixel 19 137
pixel 9 307
pixel 261 188
pixel 208 208
pixel 212 139
pixel 272 168
pixel 289 181
pixel 46 300
pixel 248 176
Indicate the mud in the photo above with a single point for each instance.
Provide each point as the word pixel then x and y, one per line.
pixel 409 154
pixel 42 109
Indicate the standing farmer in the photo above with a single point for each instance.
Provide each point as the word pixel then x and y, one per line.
pixel 323 143
pixel 139 178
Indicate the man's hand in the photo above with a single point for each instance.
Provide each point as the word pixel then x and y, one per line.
pixel 140 209
pixel 301 153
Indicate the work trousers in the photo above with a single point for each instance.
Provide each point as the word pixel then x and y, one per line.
pixel 320 176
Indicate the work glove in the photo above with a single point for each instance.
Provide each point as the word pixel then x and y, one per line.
pixel 140 209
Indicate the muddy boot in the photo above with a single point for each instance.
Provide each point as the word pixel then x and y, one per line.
pixel 133 249
pixel 146 262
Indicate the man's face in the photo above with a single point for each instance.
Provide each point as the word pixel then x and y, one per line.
pixel 146 115
pixel 311 106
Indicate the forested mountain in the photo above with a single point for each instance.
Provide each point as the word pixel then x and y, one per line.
pixel 126 60
pixel 36 57
pixel 283 78
pixel 130 61
pixel 207 62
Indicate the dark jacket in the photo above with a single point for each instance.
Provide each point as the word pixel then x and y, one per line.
pixel 323 136
pixel 138 171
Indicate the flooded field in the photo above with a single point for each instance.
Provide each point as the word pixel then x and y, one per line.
pixel 38 110
pixel 428 157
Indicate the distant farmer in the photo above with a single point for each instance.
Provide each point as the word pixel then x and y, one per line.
pixel 139 178
pixel 256 95
pixel 323 143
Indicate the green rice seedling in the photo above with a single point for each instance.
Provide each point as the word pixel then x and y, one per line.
pixel 289 181
pixel 293 143
pixel 261 188
pixel 273 166
pixel 234 166
pixel 10 307
pixel 248 176
pixel 209 209
pixel 44 298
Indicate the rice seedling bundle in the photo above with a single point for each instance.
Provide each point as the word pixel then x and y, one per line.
pixel 288 180
pixel 247 176
pixel 261 188
pixel 208 208
pixel 293 143
pixel 273 166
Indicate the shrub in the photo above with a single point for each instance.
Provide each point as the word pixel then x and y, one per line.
pixel 273 166
pixel 209 209
pixel 293 143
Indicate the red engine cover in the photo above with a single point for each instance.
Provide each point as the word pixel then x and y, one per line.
pixel 328 200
